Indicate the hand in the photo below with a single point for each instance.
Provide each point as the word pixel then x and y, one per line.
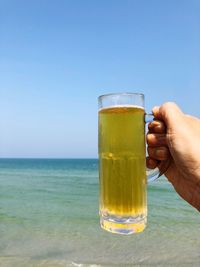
pixel 174 143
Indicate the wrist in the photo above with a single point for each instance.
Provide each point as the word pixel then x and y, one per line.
pixel 195 199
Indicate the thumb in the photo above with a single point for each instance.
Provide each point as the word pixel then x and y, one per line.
pixel 169 112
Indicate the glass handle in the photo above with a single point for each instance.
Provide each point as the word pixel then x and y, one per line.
pixel 149 117
pixel 154 174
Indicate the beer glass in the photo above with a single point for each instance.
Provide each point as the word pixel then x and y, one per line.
pixel 122 163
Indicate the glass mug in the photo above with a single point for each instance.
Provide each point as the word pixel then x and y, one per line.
pixel 122 163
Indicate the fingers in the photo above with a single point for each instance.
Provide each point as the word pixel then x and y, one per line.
pixel 151 163
pixel 157 127
pixel 154 139
pixel 157 144
pixel 158 153
pixel 165 117
pixel 156 135
pixel 169 112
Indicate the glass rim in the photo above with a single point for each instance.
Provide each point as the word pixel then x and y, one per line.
pixel 125 94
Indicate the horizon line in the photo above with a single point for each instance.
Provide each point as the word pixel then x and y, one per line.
pixel 47 158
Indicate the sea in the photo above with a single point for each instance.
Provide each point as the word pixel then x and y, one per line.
pixel 49 217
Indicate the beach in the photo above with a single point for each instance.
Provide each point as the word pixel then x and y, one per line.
pixel 49 217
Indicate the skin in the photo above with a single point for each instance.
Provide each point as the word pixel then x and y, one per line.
pixel 174 147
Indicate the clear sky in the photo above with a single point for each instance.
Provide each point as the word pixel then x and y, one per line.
pixel 56 57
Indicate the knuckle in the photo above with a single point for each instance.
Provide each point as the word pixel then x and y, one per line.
pixel 160 127
pixel 162 153
pixel 157 126
pixel 168 106
pixel 151 163
pixel 156 139
pixel 159 153
pixel 149 138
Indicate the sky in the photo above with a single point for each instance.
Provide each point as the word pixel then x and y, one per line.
pixel 57 57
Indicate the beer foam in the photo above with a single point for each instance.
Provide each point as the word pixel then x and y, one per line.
pixel 122 106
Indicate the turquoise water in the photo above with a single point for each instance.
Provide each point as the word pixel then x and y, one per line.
pixel 49 217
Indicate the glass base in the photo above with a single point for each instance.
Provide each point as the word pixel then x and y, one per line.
pixel 123 226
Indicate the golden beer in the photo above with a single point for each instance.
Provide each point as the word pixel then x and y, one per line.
pixel 122 168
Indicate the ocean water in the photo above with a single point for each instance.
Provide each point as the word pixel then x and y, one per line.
pixel 49 217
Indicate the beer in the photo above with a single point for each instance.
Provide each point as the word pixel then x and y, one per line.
pixel 122 162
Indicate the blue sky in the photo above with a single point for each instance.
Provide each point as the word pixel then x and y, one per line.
pixel 56 57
